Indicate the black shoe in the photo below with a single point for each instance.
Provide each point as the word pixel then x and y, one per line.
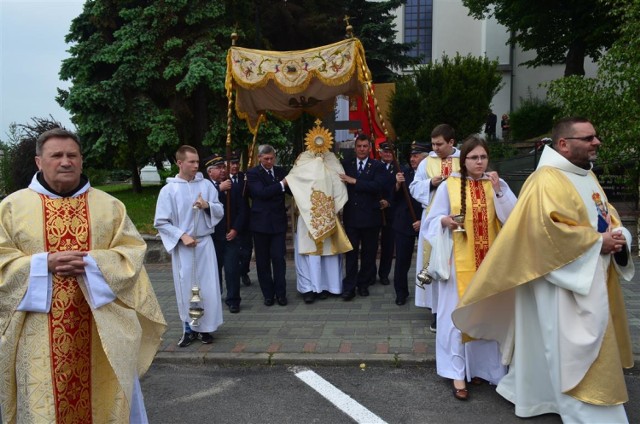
pixel 348 295
pixel 363 291
pixel 246 280
pixel 401 300
pixel 268 302
pixel 282 301
pixel 187 339
pixel 309 297
pixel 234 309
pixel 205 338
pixel 324 294
pixel 384 281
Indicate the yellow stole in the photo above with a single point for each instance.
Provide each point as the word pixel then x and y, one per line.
pixel 436 166
pixel 67 228
pixel 480 222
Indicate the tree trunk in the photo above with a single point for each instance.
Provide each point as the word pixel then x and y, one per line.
pixel 575 59
pixel 136 183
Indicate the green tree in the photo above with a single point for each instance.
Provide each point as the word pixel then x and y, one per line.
pixel 564 31
pixel 612 99
pixel 456 91
pixel 17 164
pixel 147 77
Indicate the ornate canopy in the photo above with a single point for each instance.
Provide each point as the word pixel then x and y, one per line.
pixel 289 83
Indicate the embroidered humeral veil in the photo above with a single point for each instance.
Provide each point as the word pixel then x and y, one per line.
pixel 320 195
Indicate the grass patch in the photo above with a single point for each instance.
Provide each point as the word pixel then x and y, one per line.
pixel 141 207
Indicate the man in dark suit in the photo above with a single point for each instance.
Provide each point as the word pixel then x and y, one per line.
pixel 226 237
pixel 405 228
pixel 388 211
pixel 362 217
pixel 246 238
pixel 267 187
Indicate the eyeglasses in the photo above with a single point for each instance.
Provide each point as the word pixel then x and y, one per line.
pixel 586 138
pixel 478 158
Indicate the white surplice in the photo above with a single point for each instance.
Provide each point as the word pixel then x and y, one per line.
pixel 420 189
pixel 455 360
pixel 176 216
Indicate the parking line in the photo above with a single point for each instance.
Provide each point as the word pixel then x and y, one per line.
pixel 341 400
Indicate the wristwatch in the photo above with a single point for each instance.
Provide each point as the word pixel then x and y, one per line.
pixel 499 194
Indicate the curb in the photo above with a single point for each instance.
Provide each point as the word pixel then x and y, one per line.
pixel 308 359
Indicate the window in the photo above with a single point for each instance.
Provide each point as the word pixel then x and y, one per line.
pixel 418 27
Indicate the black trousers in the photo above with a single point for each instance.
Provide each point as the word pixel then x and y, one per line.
pixel 404 253
pixel 246 249
pixel 270 252
pixel 386 250
pixel 365 246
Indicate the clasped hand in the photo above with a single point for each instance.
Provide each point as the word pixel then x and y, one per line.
pixel 66 263
pixel 612 242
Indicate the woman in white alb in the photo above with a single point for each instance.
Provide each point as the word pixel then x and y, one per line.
pixel 485 201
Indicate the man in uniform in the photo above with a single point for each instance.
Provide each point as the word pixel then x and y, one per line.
pixel 404 227
pixel 558 314
pixel 78 317
pixel 267 188
pixel 441 162
pixel 246 239
pixel 388 212
pixel 233 224
pixel 365 179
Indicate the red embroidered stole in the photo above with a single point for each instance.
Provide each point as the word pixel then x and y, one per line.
pixel 480 220
pixel 446 167
pixel 66 227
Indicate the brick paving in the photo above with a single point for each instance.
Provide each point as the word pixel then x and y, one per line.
pixel 372 329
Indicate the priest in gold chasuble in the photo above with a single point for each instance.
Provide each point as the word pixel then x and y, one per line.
pixel 79 321
pixel 548 289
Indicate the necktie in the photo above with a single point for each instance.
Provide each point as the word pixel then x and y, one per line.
pixel 235 179
pixel 271 175
pixel 360 168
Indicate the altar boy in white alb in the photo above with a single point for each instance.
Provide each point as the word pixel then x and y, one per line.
pixel 186 215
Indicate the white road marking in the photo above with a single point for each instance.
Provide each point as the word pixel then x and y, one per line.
pixel 220 387
pixel 341 400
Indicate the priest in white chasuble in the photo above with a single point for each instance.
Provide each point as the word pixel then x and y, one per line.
pixel 548 290
pixel 319 238
pixel 79 321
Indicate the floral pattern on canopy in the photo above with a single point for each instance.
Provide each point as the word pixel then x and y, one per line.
pixel 290 83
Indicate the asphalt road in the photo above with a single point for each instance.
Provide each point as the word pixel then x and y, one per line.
pixel 275 394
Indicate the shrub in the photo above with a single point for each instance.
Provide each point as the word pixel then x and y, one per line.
pixel 533 118
pixel 456 91
pixel 119 175
pixel 97 176
pixel 166 173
